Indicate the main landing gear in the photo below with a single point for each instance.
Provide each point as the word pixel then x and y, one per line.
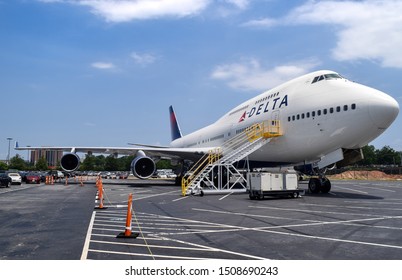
pixel 320 184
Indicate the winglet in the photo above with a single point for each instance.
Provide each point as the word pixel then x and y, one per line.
pixel 174 126
pixel 16 145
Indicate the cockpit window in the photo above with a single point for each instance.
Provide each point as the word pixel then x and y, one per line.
pixel 330 76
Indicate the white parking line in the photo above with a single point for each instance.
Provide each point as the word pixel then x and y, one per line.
pixel 84 254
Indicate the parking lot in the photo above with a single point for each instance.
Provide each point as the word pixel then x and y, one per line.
pixel 356 220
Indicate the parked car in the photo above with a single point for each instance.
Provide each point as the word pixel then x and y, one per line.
pixel 33 178
pixel 5 180
pixel 56 174
pixel 15 178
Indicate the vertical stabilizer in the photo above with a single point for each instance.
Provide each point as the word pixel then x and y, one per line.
pixel 174 126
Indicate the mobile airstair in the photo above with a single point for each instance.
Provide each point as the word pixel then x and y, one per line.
pixel 216 172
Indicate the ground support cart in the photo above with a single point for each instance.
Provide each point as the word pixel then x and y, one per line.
pixel 262 184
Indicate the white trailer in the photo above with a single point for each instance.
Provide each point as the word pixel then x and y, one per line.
pixel 262 184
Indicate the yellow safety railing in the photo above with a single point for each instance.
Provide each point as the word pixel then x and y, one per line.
pixel 266 129
pixel 272 129
pixel 211 157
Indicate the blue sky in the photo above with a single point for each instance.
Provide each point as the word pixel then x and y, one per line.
pixel 104 72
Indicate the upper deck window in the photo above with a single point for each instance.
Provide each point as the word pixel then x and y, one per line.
pixel 330 76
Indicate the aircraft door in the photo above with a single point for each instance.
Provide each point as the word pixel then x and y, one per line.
pixel 275 118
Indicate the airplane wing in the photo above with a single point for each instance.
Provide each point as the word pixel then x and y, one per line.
pixel 143 165
pixel 152 151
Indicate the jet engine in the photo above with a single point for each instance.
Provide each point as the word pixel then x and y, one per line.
pixel 142 166
pixel 70 162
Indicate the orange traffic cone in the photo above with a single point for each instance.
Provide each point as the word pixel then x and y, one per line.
pixel 100 195
pixel 128 232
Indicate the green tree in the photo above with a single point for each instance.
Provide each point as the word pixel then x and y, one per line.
pixel 17 162
pixel 88 163
pixel 3 166
pixel 111 163
pixel 164 164
pixel 370 155
pixel 41 164
pixel 99 163
pixel 387 155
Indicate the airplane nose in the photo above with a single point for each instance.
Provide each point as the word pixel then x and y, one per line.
pixel 383 111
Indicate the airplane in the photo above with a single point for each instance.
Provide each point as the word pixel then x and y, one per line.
pixel 325 120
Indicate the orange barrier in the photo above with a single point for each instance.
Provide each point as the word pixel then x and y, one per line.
pixel 99 184
pixel 128 231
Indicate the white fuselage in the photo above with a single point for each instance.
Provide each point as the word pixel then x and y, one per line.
pixel 317 115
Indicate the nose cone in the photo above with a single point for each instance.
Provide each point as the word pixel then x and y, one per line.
pixel 383 111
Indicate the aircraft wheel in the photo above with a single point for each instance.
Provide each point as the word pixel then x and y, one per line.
pixel 326 186
pixel 314 185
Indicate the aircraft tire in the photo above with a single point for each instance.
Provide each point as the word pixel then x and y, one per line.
pixel 314 185
pixel 326 186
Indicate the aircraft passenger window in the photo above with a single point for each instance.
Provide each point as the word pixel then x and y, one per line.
pixel 298 116
pixel 293 118
pixel 353 106
pixel 303 116
pixel 338 109
pixel 319 113
pixel 288 119
pixel 345 107
pixel 313 114
pixel 325 111
pixel 308 114
pixel 331 110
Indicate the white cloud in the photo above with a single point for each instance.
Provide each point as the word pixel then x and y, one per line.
pixel 128 10
pixel 143 59
pixel 261 23
pixel 370 30
pixel 250 75
pixel 103 65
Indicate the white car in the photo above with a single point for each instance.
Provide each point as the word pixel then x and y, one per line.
pixel 15 178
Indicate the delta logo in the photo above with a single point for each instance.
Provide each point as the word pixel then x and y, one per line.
pixel 264 108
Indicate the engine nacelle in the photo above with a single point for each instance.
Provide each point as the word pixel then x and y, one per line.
pixel 142 166
pixel 70 162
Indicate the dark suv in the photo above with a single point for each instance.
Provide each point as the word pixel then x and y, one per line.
pixel 5 180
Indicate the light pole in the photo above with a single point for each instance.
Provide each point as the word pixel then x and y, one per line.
pixel 9 144
pixel 28 155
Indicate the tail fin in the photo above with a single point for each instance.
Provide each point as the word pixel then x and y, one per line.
pixel 174 126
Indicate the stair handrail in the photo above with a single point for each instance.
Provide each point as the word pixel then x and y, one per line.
pixel 265 129
pixel 209 158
